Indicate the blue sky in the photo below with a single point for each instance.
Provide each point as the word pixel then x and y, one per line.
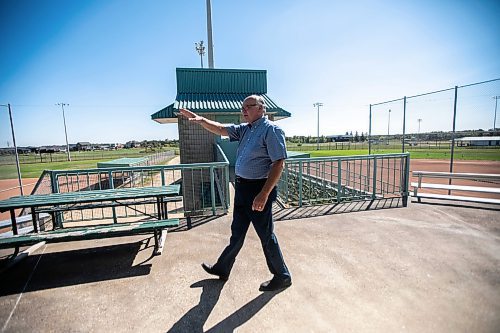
pixel 114 62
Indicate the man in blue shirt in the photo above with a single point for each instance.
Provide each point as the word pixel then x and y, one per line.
pixel 259 162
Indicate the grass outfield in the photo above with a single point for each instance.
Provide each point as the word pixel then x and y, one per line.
pixel 34 170
pixel 459 154
pixel 80 155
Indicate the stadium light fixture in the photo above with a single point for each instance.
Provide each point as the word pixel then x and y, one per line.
pixel 201 50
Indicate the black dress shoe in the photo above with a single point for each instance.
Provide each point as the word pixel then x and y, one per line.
pixel 210 270
pixel 275 284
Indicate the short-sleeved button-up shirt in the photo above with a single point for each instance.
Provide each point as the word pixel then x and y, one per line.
pixel 260 144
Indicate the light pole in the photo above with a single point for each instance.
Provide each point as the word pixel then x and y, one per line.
pixel 495 118
pixel 388 126
pixel 201 50
pixel 318 105
pixel 209 35
pixel 15 150
pixel 65 131
pixel 419 121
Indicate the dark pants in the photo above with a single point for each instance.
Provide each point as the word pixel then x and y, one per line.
pixel 263 224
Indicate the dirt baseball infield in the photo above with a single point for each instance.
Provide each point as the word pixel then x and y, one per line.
pixel 488 167
pixel 458 166
pixel 10 188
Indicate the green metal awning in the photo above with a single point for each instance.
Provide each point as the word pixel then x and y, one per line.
pixel 213 104
pixel 217 91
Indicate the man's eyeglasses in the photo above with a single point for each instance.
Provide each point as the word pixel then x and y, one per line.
pixel 248 106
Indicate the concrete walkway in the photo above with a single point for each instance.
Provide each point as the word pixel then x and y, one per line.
pixel 425 268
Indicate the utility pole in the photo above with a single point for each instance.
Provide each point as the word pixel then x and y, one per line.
pixel 65 131
pixel 495 118
pixel 318 104
pixel 15 150
pixel 209 33
pixel 389 126
pixel 201 50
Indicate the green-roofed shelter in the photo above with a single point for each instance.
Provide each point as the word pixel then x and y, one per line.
pixel 217 94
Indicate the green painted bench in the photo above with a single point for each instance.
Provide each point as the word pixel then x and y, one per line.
pixel 157 227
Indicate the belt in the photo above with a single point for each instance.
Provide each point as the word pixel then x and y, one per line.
pixel 242 180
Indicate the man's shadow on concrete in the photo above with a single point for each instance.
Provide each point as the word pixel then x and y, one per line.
pixel 194 320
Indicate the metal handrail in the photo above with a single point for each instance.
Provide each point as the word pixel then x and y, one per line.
pixel 326 180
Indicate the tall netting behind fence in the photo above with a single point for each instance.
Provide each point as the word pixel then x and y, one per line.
pixel 387 127
pixel 429 121
pixel 428 124
pixel 477 137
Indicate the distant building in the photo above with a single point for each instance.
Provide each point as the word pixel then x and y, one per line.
pixel 83 146
pixel 412 141
pixel 10 150
pixel 339 138
pixel 51 149
pixel 106 146
pixel 478 141
pixel 132 144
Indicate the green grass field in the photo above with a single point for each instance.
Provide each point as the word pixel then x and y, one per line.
pixel 80 155
pixel 459 154
pixel 34 170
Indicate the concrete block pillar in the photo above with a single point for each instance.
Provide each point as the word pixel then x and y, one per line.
pixel 196 146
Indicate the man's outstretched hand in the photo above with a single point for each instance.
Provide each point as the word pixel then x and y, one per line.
pixel 210 125
pixel 190 115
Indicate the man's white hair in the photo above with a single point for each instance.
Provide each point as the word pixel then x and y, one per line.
pixel 259 99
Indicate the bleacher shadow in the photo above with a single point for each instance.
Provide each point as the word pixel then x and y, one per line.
pixel 281 214
pixel 185 224
pixel 74 267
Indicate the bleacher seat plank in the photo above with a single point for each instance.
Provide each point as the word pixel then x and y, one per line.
pixel 458 187
pixel 457 198
pixel 473 177
pixel 90 232
pixel 457 175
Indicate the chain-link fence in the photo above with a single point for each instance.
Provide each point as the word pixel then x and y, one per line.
pixel 454 122
pixel 10 188
pixel 27 156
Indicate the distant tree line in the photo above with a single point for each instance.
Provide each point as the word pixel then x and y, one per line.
pixel 348 137
pixel 363 136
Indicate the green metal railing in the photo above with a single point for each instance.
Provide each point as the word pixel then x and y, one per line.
pixel 206 192
pixel 205 186
pixel 326 180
